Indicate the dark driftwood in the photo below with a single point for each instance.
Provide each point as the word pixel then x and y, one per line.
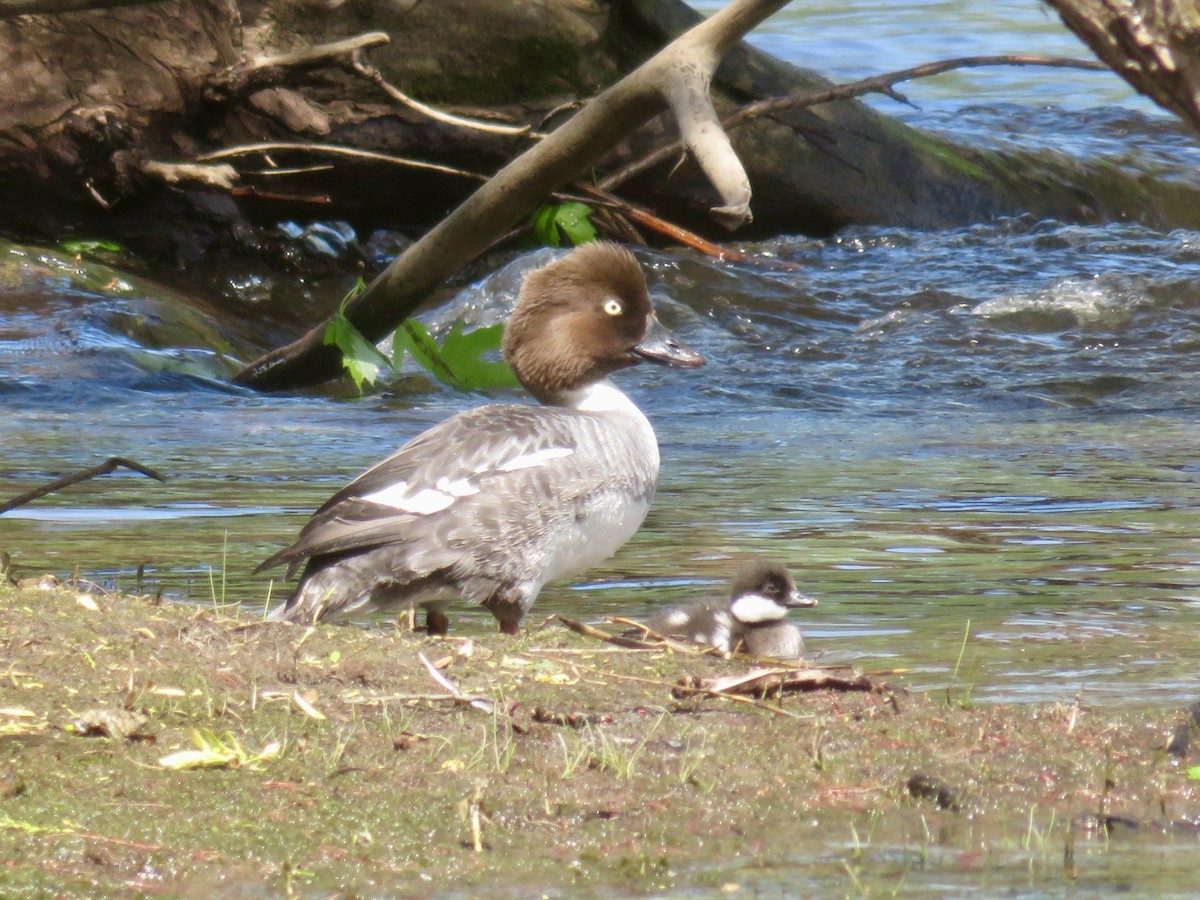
pixel 108 111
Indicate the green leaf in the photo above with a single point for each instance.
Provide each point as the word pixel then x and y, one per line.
pixel 413 337
pixel 359 356
pixel 544 226
pixel 1194 773
pixel 555 220
pixel 460 360
pixel 91 246
pixel 463 352
pixel 572 218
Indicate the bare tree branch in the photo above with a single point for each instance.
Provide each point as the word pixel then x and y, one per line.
pixel 373 75
pixel 108 466
pixel 512 193
pixel 1150 43
pixel 269 147
pixel 701 132
pixel 874 84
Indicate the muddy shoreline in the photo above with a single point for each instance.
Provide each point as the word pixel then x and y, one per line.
pixel 349 771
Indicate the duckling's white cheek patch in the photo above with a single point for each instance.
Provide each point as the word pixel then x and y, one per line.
pixel 425 501
pixel 537 458
pixel 756 608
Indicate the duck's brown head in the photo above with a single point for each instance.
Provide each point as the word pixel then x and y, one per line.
pixel 583 316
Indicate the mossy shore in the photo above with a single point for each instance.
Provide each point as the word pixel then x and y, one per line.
pixel 341 768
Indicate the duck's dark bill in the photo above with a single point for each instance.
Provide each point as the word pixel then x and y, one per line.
pixel 796 600
pixel 660 346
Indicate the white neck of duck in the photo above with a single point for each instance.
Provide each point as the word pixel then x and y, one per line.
pixel 600 397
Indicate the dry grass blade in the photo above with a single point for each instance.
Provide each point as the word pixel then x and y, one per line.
pixel 483 704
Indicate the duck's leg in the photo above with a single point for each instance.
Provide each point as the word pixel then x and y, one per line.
pixel 509 609
pixel 436 621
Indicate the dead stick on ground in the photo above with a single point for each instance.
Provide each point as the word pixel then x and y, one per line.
pixel 651 640
pixel 105 468
pixel 616 639
pixel 749 701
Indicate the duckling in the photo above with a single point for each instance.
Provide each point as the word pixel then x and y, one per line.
pixel 752 620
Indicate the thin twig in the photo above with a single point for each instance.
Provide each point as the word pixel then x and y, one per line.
pixel 248 76
pixel 589 631
pixel 373 75
pixel 335 150
pixel 780 680
pixel 678 233
pixel 105 468
pixel 881 84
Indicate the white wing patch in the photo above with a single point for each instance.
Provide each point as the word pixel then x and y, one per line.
pixel 675 618
pixel 722 633
pixel 756 608
pixel 425 501
pixel 442 494
pixel 537 458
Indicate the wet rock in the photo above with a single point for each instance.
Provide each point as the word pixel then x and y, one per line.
pixel 122 724
pixel 568 720
pixel 11 785
pixel 925 787
pixel 1184 732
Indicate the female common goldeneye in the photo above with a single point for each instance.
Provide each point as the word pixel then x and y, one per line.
pixel 494 502
pixel 752 620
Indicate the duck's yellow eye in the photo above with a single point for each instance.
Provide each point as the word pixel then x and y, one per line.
pixel 613 307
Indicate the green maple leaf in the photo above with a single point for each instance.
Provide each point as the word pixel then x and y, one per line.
pixel 460 361
pixel 554 220
pixel 360 357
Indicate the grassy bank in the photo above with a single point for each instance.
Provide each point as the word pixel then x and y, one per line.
pixel 328 761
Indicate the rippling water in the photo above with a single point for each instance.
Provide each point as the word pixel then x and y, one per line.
pixel 975 446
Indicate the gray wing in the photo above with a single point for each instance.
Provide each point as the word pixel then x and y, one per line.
pixel 496 466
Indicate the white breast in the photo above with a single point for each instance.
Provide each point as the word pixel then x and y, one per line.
pixel 610 521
